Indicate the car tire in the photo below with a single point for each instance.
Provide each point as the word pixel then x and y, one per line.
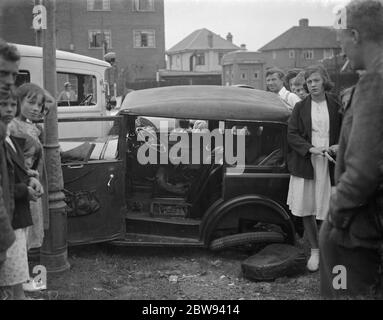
pixel 246 238
pixel 274 261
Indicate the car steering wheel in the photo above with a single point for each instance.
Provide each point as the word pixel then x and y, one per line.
pixel 86 100
pixel 267 158
pixel 152 137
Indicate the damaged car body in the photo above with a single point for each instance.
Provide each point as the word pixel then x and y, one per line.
pixel 193 166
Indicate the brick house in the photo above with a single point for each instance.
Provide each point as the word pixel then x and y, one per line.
pixel 199 55
pixel 243 67
pixel 133 29
pixel 301 46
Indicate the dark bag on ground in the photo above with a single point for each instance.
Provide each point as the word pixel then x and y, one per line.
pixel 81 203
pixel 274 261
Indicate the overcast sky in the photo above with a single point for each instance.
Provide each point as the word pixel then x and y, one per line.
pixel 251 22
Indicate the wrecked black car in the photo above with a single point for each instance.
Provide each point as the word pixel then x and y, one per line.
pixel 193 166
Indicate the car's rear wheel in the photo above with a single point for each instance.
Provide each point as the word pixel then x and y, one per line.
pixel 246 238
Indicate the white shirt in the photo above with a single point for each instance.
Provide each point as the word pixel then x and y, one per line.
pixel 288 98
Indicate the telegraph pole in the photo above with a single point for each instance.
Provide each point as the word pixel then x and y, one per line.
pixel 53 253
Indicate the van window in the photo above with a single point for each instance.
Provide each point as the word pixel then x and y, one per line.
pixel 23 77
pixel 76 89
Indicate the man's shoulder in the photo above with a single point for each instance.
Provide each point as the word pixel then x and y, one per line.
pixel 368 94
pixel 371 79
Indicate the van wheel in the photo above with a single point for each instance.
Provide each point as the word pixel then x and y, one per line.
pixel 246 238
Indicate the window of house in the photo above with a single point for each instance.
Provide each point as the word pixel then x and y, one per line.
pixel 256 75
pixel 200 59
pixel 220 56
pixel 274 55
pixel 98 5
pixel 308 54
pixel 144 39
pixel 243 76
pixel 292 54
pixel 143 5
pixel 97 38
pixel 82 89
pixel 328 53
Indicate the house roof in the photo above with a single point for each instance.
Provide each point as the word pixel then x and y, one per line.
pixel 241 56
pixel 304 37
pixel 198 40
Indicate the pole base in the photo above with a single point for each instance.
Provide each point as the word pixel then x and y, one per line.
pixel 55 262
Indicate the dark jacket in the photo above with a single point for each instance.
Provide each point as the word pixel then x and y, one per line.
pixel 359 169
pixel 7 236
pixel 299 136
pixel 17 172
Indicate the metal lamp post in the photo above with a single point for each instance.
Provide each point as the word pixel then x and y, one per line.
pixel 53 254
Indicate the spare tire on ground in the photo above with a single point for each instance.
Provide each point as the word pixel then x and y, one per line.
pixel 274 261
pixel 239 239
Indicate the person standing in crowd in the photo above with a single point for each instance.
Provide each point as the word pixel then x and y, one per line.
pixel 313 130
pixel 15 271
pixel 9 60
pixel 32 101
pixel 274 82
pixel 290 76
pixel 9 66
pixel 299 87
pixel 7 236
pixel 352 235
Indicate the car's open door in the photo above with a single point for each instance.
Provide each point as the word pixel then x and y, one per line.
pixel 94 172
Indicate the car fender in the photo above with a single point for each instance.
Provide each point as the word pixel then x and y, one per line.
pixel 220 209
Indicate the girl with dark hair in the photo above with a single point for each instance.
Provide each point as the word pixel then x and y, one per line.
pixel 313 133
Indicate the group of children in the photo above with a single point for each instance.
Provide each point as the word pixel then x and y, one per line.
pixel 20 110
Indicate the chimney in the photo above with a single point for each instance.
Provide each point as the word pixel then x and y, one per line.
pixel 210 40
pixel 243 47
pixel 229 37
pixel 304 22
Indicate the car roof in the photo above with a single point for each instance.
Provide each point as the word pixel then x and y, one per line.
pixel 33 51
pixel 206 102
pixel 243 86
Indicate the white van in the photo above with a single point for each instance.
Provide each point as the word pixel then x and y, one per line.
pixel 87 78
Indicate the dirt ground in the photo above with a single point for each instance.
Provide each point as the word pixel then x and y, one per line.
pixel 104 272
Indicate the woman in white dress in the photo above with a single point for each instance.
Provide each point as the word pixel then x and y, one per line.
pixel 313 131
